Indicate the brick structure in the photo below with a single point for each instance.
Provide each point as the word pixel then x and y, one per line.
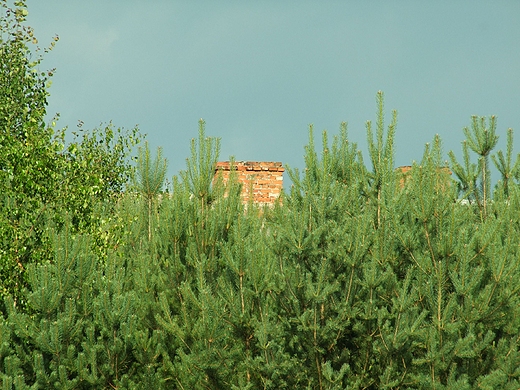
pixel 261 182
pixel 406 176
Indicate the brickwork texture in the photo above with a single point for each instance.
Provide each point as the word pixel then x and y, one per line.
pixel 262 182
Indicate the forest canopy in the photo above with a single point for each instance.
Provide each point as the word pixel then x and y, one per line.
pixel 360 277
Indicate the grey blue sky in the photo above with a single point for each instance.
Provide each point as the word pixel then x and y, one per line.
pixel 259 72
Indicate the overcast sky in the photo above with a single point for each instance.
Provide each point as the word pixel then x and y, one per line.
pixel 259 72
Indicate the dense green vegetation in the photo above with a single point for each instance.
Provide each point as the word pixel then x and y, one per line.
pixel 354 281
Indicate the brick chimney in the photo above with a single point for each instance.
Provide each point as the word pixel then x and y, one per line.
pixel 261 181
pixel 406 175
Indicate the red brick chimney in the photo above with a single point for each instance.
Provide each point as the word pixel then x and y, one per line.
pixel 406 175
pixel 261 181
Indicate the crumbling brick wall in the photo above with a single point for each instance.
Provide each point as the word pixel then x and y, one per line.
pixel 261 182
pixel 405 175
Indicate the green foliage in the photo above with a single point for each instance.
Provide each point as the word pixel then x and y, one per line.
pixel 361 278
pixel 356 280
pixel 42 177
pixel 149 182
pixel 24 92
pixel 28 172
pixel 150 175
pixel 201 166
pixel 481 139
pixel 508 169
pixel 97 167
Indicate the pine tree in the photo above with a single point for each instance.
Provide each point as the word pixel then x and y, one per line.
pixel 508 169
pixel 356 280
pixel 150 181
pixel 321 239
pixel 84 325
pixel 200 217
pixel 481 140
pixel 59 301
pixel 381 155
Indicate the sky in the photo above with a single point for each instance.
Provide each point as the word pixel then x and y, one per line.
pixel 260 72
